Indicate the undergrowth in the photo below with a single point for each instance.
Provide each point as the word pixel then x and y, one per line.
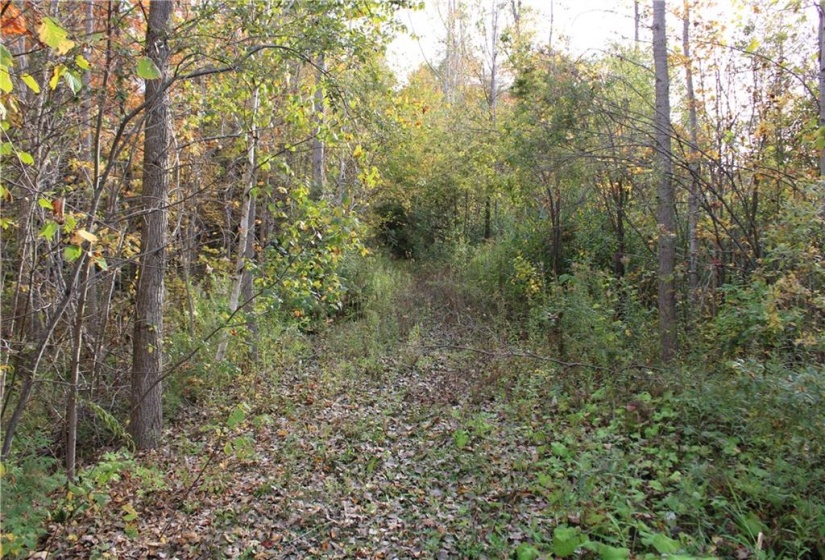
pixel 506 416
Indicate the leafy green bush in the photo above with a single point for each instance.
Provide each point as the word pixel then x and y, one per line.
pixel 778 313
pixel 28 480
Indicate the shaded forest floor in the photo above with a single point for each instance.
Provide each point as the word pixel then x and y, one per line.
pixel 449 441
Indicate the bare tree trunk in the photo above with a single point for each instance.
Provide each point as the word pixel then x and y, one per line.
pixel 693 167
pixel 248 288
pixel 318 148
pixel 636 21
pixel 821 9
pixel 147 359
pixel 452 56
pixel 666 213
pixel 77 348
pixel 488 233
pixel 243 229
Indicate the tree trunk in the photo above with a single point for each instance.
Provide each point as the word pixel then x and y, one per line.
pixel 318 148
pixel 248 287
pixel 147 359
pixel 666 210
pixel 693 168
pixel 246 221
pixel 74 372
pixel 488 233
pixel 821 82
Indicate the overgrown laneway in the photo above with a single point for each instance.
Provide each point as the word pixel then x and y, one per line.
pixel 452 440
pixel 341 452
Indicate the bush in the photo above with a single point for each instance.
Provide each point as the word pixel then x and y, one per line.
pixel 28 480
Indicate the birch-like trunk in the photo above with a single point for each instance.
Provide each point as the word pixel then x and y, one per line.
pixel 821 9
pixel 693 166
pixel 318 148
pixel 247 207
pixel 666 209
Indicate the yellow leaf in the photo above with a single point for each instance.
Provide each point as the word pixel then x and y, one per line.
pixel 81 235
pixel 56 74
pixel 81 62
pixel 55 36
pixel 90 237
pixel 5 81
pixel 31 82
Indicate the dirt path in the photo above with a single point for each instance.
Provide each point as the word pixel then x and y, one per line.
pixel 387 458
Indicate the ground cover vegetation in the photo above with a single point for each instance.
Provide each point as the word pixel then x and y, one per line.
pixel 263 299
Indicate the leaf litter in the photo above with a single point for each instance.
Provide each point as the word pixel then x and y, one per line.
pixel 342 466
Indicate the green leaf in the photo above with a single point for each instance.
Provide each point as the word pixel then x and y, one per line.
pixel 25 158
pixel 526 551
pixel 129 512
pixel 6 58
pixel 131 531
pixel 5 81
pixel 49 230
pixel 101 263
pixel 752 46
pixel 236 417
pixel 147 69
pixel 662 543
pixel 607 552
pixel 72 252
pixel 461 438
pixel 566 540
pixel 560 449
pixel 73 81
pixel 752 524
pixel 45 203
pixel 51 33
pixel 6 148
pixel 29 80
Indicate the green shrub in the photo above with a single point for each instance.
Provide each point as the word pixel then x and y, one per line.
pixel 28 480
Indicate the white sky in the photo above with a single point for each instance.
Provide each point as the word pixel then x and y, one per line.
pixel 586 24
pixel 581 27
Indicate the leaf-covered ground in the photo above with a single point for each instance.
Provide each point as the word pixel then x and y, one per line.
pixel 344 463
pixel 446 445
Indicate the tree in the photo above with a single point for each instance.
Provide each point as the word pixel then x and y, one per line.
pixel 666 208
pixel 821 40
pixel 147 360
pixel 693 163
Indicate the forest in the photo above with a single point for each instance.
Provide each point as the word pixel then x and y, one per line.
pixel 263 296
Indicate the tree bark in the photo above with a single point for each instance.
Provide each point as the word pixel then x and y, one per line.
pixel 147 358
pixel 821 34
pixel 74 373
pixel 488 233
pixel 318 148
pixel 693 167
pixel 246 221
pixel 666 212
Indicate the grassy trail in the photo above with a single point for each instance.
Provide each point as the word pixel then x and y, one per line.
pixel 438 438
